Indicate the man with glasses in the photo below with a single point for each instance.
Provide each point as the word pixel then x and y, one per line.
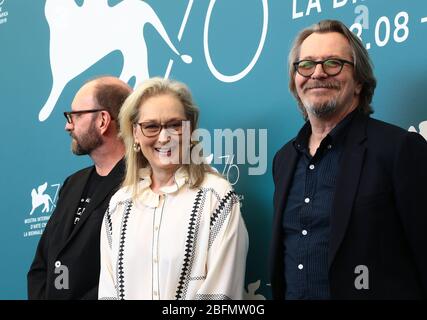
pixel 350 216
pixel 67 261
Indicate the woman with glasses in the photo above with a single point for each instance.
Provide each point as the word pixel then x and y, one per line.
pixel 174 230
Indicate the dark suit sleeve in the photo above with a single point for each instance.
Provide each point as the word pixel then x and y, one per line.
pixel 37 275
pixel 91 294
pixel 274 166
pixel 273 169
pixel 410 181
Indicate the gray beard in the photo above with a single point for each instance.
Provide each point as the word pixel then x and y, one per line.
pixel 322 111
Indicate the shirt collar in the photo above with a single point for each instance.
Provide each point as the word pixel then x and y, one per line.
pixel 333 137
pixel 152 199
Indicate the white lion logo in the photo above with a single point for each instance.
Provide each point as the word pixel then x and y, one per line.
pixel 38 198
pixel 82 35
pixel 423 129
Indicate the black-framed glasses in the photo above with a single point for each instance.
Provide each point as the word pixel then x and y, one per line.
pixel 69 114
pixel 331 67
pixel 152 129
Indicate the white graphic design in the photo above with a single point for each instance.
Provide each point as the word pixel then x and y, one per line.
pixel 423 129
pixel 243 73
pixel 3 14
pixel 252 288
pixel 82 35
pixel 39 198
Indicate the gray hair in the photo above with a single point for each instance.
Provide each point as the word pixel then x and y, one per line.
pixel 363 70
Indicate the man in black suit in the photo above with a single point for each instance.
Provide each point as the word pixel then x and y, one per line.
pixel 67 261
pixel 350 214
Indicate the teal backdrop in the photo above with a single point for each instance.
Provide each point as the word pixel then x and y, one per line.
pixel 231 53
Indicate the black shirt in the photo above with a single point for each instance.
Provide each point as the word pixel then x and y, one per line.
pixel 93 182
pixel 306 221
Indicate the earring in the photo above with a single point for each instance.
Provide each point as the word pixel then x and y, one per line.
pixel 136 147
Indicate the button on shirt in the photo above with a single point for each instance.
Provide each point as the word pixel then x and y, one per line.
pixel 307 213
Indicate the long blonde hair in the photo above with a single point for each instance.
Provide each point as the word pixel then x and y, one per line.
pixel 129 115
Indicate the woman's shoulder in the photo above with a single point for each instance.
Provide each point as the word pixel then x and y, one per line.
pixel 217 183
pixel 122 195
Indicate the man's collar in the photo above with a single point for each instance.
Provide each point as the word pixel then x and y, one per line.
pixel 338 130
pixel 301 140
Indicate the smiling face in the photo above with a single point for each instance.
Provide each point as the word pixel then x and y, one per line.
pixel 324 96
pixel 162 151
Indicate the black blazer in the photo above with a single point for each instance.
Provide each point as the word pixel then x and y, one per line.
pixel 379 215
pixel 77 248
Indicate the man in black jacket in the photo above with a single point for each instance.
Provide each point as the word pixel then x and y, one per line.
pixel 350 215
pixel 67 261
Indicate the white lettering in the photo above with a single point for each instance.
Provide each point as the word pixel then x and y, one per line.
pixel 179 310
pixel 362 280
pixel 338 3
pixel 313 4
pixel 363 17
pixel 295 14
pixel 202 147
pixel 61 281
pixel 261 160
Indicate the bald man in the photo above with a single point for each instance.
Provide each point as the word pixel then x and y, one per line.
pixel 67 262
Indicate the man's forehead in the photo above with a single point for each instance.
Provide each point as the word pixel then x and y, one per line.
pixel 324 45
pixel 84 98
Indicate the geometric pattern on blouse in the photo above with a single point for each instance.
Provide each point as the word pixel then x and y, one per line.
pixel 220 215
pixel 189 248
pixel 212 297
pixel 109 227
pixel 120 268
pixel 217 220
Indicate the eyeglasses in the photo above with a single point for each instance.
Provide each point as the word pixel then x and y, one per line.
pixel 331 67
pixel 152 129
pixel 68 114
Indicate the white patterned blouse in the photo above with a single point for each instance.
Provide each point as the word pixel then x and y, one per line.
pixel 180 243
